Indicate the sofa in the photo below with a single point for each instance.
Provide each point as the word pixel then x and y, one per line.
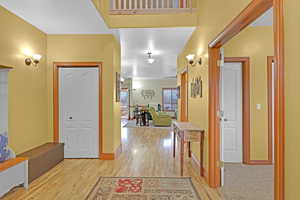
pixel 160 118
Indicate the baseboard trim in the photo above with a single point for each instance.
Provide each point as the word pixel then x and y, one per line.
pixel 111 156
pixel 260 162
pixel 107 156
pixel 196 164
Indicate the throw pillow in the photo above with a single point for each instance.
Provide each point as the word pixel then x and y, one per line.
pixel 4 152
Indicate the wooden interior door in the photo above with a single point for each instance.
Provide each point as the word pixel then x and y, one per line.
pixel 78 107
pixel 184 97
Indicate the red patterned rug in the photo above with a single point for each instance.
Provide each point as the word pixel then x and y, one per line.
pixel 131 188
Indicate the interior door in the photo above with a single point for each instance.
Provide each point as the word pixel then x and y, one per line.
pixel 231 113
pixel 79 111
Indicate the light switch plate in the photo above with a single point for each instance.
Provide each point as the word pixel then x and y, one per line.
pixel 258 106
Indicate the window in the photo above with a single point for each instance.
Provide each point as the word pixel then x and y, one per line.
pixel 170 97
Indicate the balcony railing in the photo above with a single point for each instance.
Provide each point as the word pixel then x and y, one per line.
pixel 150 6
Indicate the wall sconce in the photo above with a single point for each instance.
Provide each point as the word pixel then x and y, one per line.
pixel 191 60
pixel 33 59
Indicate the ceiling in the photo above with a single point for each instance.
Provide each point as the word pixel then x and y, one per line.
pixel 265 20
pixel 59 16
pixel 165 45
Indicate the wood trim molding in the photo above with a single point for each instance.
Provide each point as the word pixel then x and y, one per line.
pixel 255 9
pixel 10 163
pixel 214 170
pixel 270 80
pixel 246 103
pixel 111 156
pixel 56 66
pixel 278 18
pixel 259 162
pixel 107 156
pixel 5 67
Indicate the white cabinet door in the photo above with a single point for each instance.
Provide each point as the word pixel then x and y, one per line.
pixel 231 112
pixel 79 111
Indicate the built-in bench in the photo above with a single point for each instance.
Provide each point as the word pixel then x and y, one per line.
pixel 41 159
pixel 13 172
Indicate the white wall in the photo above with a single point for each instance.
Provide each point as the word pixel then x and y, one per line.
pixel 3 101
pixel 150 84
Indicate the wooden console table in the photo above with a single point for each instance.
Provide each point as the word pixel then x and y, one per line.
pixel 188 133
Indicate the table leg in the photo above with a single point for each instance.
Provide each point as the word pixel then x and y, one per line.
pixel 181 155
pixel 174 143
pixel 189 150
pixel 201 154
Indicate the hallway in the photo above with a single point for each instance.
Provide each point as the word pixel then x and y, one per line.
pixel 146 153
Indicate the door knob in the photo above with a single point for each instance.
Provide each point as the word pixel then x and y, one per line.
pixel 225 120
pixel 70 117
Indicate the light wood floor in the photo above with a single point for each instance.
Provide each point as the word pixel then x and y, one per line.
pixel 146 152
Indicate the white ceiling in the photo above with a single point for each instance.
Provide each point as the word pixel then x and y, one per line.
pixel 165 45
pixel 59 16
pixel 265 20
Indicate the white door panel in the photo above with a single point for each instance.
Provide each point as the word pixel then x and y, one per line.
pixel 79 111
pixel 231 107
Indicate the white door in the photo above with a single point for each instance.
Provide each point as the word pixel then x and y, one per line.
pixel 231 113
pixel 79 111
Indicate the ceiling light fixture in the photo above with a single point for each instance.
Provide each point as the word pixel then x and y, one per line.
pixel 150 59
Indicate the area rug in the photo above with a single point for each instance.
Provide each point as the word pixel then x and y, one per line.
pixel 141 188
pixel 132 124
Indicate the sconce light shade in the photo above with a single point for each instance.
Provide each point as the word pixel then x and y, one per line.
pixel 190 57
pixel 191 60
pixel 33 59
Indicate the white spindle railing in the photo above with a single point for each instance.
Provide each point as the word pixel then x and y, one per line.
pixel 150 5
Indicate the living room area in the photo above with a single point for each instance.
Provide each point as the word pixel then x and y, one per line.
pixel 149 102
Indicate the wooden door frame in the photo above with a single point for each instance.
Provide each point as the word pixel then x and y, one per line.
pixel 56 66
pixel 255 9
pixel 245 61
pixel 270 60
pixel 185 97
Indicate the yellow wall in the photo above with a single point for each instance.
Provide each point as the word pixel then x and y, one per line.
pixel 117 108
pixel 30 88
pixel 256 43
pixel 213 17
pixel 90 48
pixel 292 75
pixel 28 113
pixel 142 21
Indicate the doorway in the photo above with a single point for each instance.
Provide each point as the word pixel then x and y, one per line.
pixel 78 108
pixel 184 97
pixel 245 18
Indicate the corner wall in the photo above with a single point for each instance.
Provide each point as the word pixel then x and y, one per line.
pixel 256 43
pixel 90 48
pixel 292 95
pixel 213 17
pixel 28 114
